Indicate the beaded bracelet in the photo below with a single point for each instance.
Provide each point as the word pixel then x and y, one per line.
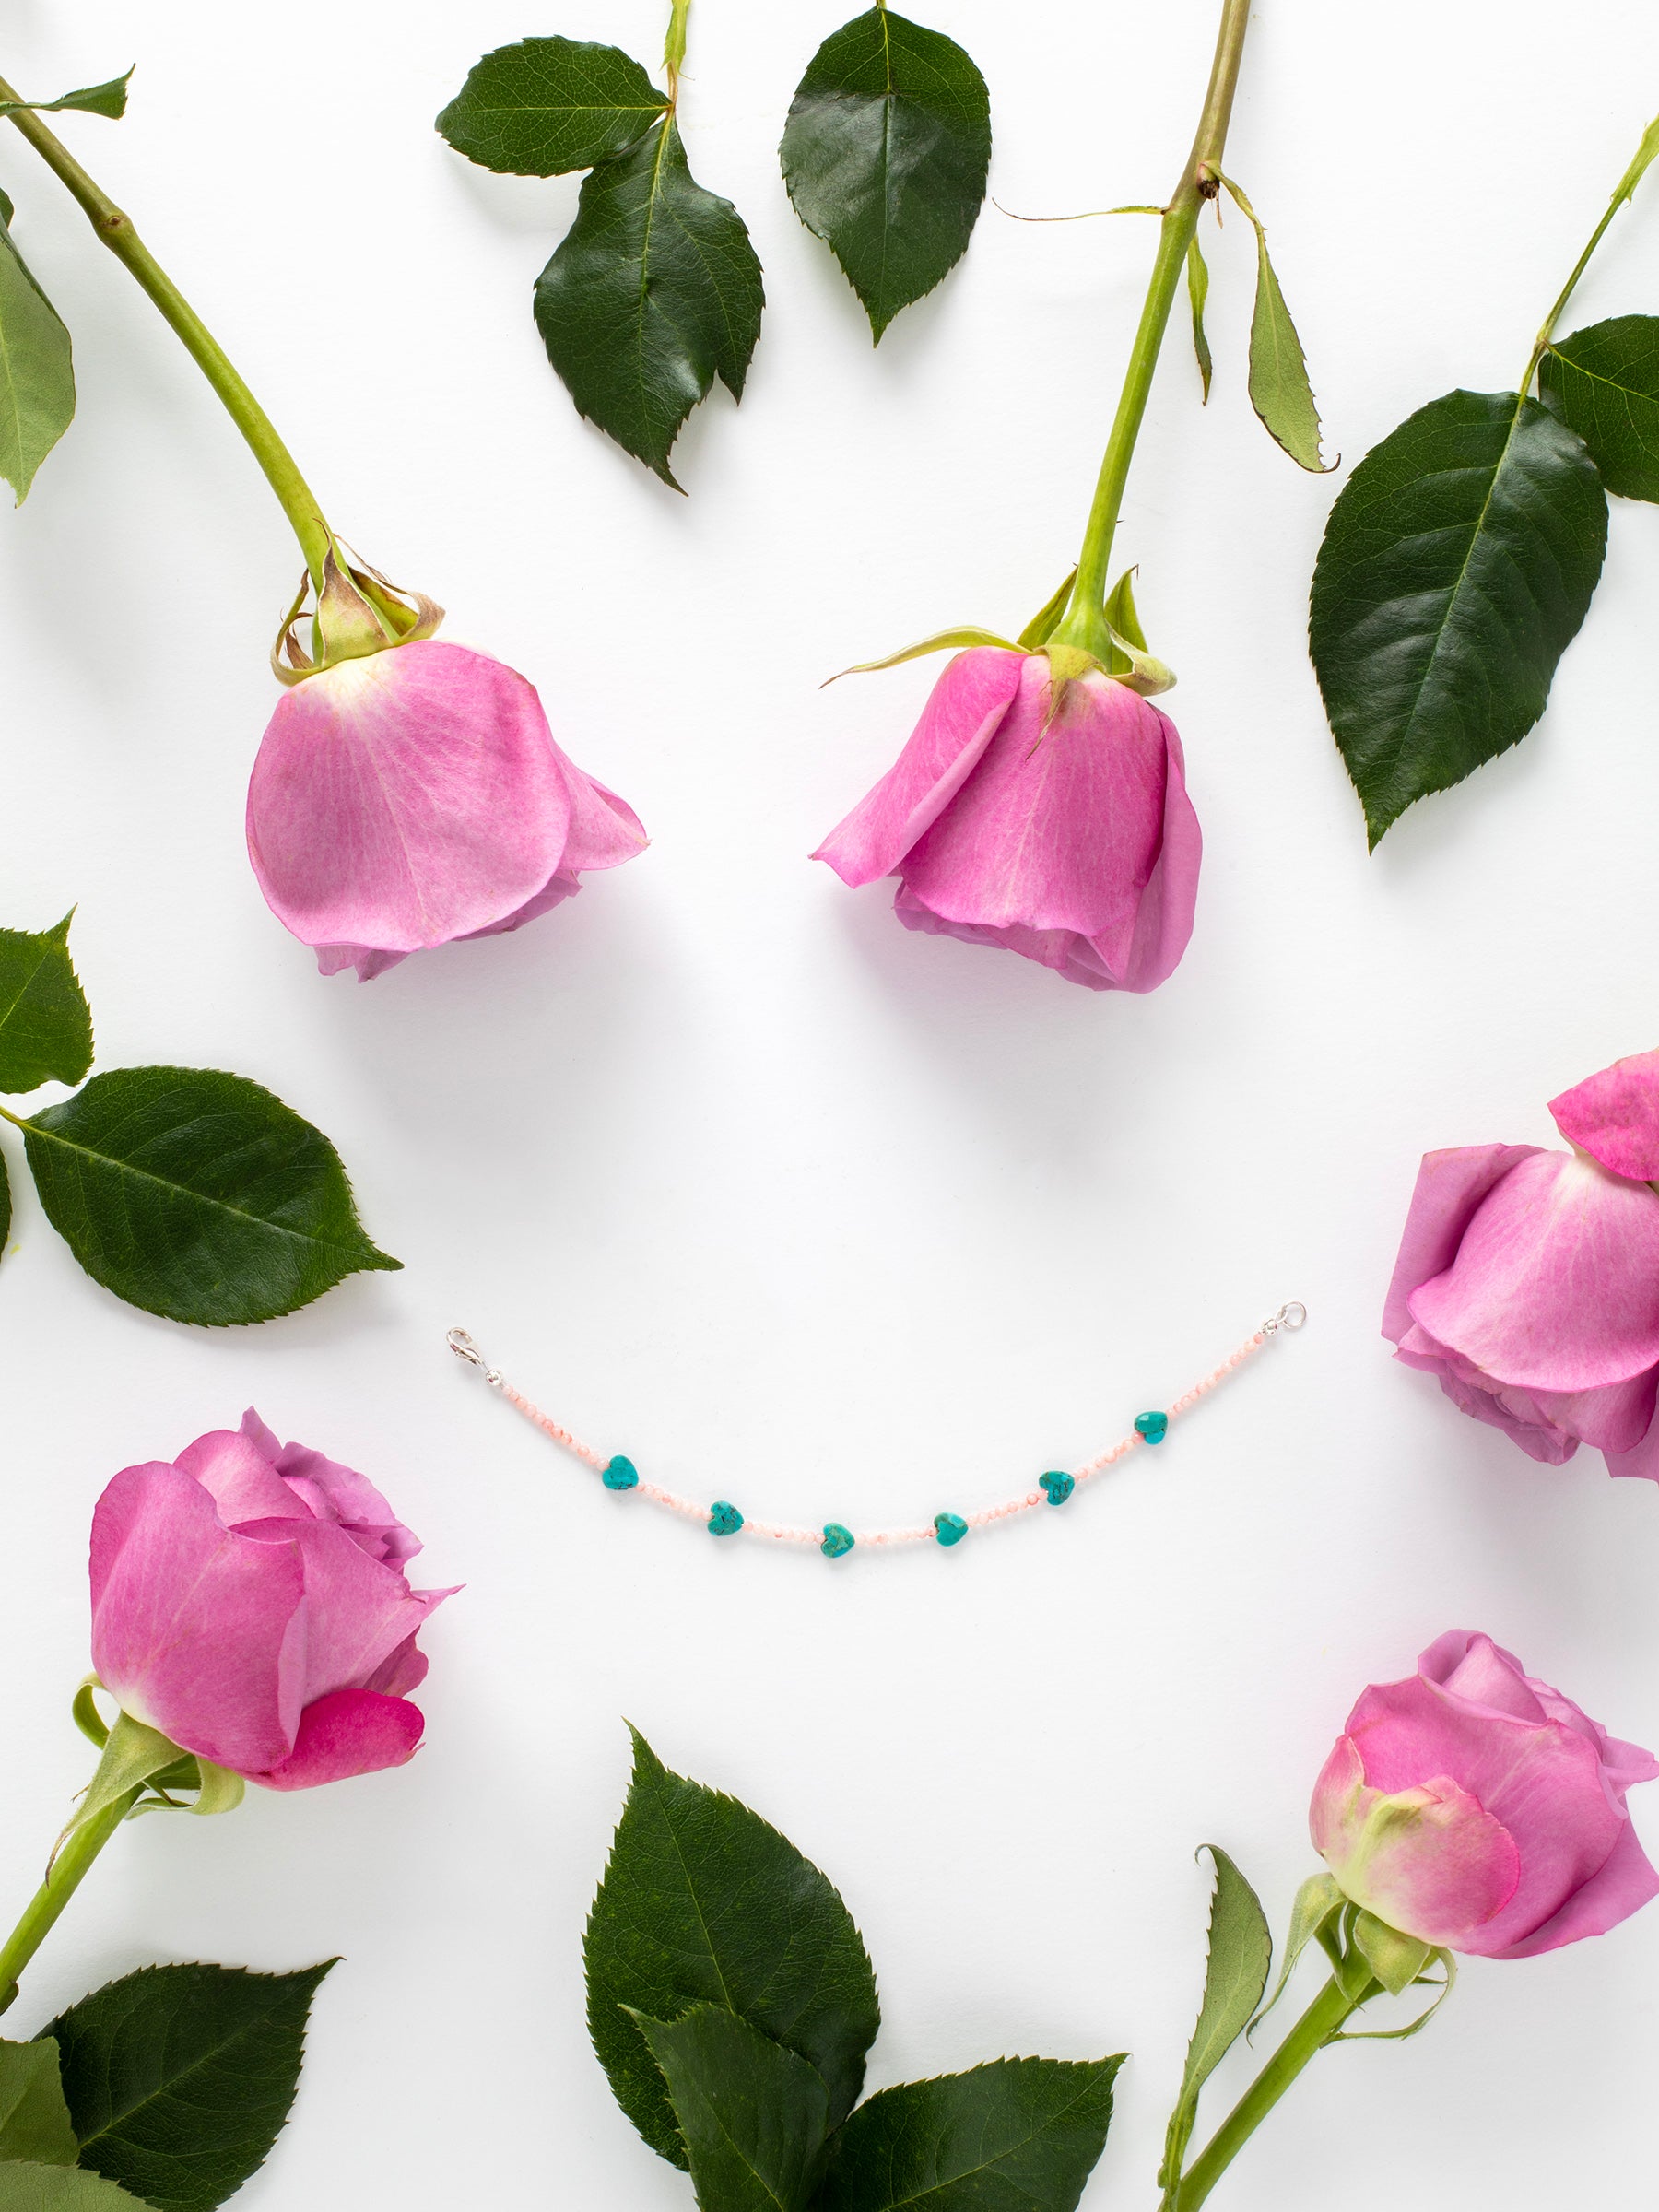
pixel 834 1539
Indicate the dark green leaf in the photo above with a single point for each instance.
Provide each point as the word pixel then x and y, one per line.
pixel 704 1903
pixel 1457 565
pixel 1021 2135
pixel 37 377
pixel 45 1024
pixel 178 2077
pixel 885 154
pixel 1198 294
pixel 108 100
pixel 654 291
pixel 547 106
pixel 752 2115
pixel 1604 384
pixel 196 1196
pixel 1241 1951
pixel 34 2119
pixel 1279 390
pixel 58 2189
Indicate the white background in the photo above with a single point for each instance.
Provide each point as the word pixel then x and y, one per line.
pixel 795 1207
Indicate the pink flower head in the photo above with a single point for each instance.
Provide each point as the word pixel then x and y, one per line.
pixel 249 1600
pixel 1479 1810
pixel 1075 845
pixel 1528 1280
pixel 415 795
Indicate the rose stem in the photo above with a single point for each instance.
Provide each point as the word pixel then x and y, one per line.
pixel 1626 190
pixel 1322 2021
pixel 1084 623
pixel 298 502
pixel 61 1883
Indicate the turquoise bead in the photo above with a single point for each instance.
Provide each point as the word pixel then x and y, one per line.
pixel 621 1474
pixel 950 1528
pixel 1154 1426
pixel 1059 1486
pixel 724 1519
pixel 838 1541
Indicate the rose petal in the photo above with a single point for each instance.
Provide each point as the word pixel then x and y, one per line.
pixel 1614 1116
pixel 1555 1281
pixel 353 1732
pixel 958 721
pixel 404 799
pixel 189 1618
pixel 1450 1188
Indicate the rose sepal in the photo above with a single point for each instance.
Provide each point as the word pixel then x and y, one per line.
pixel 357 612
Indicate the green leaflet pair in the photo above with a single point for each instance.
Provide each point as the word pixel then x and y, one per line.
pixel 657 290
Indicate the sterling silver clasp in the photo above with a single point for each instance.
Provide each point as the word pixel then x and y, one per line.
pixel 1290 1316
pixel 462 1345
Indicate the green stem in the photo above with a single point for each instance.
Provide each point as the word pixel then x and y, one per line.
pixel 1625 189
pixel 1323 2020
pixel 61 1883
pixel 1083 624
pixel 674 49
pixel 298 502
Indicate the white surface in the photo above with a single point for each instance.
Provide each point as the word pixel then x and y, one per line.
pixel 793 1206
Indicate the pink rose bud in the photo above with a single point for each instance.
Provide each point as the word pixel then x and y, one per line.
pixel 250 1602
pixel 1074 844
pixel 1476 1808
pixel 414 795
pixel 1528 1280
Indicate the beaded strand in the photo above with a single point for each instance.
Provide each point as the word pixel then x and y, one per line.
pixel 834 1539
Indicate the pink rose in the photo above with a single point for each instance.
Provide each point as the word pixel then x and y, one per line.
pixel 415 795
pixel 1528 1280
pixel 1075 845
pixel 249 1601
pixel 1476 1808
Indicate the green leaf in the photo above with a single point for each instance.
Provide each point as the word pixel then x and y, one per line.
pixel 1241 1951
pixel 1198 293
pixel 1457 565
pixel 196 1196
pixel 885 154
pixel 704 1903
pixel 37 376
pixel 108 100
pixel 34 2119
pixel 178 2077
pixel 1604 382
pixel 45 1023
pixel 654 291
pixel 753 2116
pixel 1021 2135
pixel 1279 390
pixel 547 106
pixel 58 2189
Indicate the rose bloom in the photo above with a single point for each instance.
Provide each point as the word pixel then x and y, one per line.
pixel 249 1600
pixel 1074 844
pixel 416 795
pixel 1528 1280
pixel 1477 1809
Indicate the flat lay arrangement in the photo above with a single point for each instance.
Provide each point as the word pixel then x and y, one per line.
pixel 844 1240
